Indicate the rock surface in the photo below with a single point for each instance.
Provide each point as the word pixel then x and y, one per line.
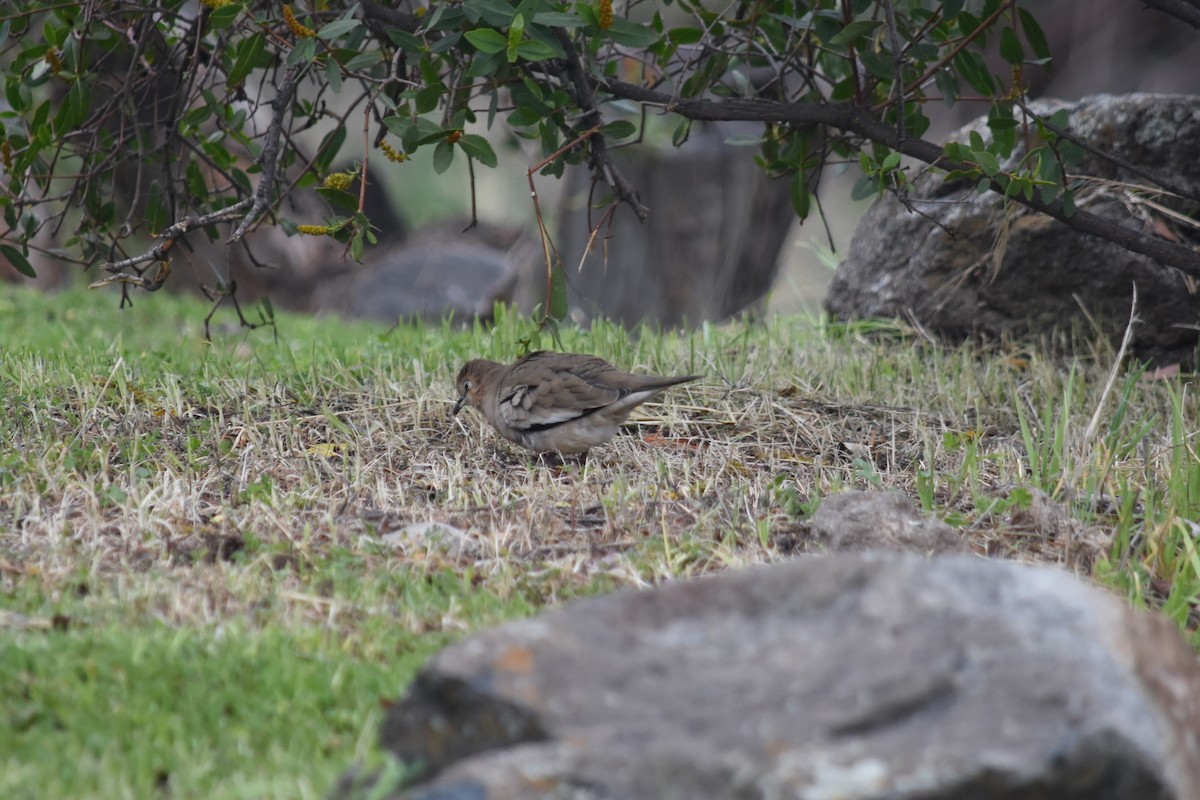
pixel 945 276
pixel 858 522
pixel 850 676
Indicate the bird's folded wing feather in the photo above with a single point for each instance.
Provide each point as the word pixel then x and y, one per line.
pixel 548 397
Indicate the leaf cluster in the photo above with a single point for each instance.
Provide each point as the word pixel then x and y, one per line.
pixel 159 118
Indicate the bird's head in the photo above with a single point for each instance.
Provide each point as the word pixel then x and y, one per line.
pixel 473 379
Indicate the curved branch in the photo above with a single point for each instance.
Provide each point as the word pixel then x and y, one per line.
pixel 1186 10
pixel 592 119
pixel 857 120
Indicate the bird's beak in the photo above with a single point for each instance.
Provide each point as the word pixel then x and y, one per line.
pixel 458 406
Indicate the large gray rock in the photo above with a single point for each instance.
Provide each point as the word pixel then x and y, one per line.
pixel 944 276
pixel 852 676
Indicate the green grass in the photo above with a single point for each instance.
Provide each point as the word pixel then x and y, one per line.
pixel 219 561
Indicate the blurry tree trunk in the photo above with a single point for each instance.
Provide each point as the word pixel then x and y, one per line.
pixel 708 249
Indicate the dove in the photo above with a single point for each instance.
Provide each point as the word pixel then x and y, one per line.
pixel 565 403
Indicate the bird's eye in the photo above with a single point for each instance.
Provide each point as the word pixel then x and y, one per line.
pixel 466 386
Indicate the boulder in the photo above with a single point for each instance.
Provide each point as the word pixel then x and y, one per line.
pixel 937 264
pixel 848 676
pixel 865 521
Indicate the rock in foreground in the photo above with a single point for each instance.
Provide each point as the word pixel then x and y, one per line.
pixel 849 676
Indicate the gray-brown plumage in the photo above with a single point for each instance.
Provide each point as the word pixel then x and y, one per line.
pixel 556 402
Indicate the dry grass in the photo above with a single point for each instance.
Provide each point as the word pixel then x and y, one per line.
pixel 315 487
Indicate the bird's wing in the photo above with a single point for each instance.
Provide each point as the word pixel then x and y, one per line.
pixel 542 392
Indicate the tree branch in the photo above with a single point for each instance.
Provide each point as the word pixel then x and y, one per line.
pixel 1186 10
pixel 592 119
pixel 270 152
pixel 853 119
pixel 178 230
pixel 380 18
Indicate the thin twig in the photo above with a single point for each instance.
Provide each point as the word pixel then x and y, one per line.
pixel 1116 367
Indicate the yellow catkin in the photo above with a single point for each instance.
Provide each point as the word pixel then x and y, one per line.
pixel 6 156
pixel 53 60
pixel 339 180
pixel 391 153
pixel 213 5
pixel 299 30
pixel 604 13
pixel 315 230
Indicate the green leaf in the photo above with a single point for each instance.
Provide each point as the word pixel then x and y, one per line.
pixel 864 187
pixel 630 34
pixel 497 13
pixel 478 148
pixel 339 198
pixel 915 121
pixel 681 132
pixel 339 27
pixel 443 156
pixel 487 40
pixel 546 36
pixel 1070 153
pixel 535 51
pixel 801 199
pixel 304 50
pixel 891 162
pixel 556 19
pixel 854 31
pixel 684 35
pixel 524 117
pixel 406 41
pixel 968 23
pixel 486 64
pixel 947 84
pixel 1004 137
pixel 975 70
pixel 516 32
pixel 1033 34
pixel 195 180
pixel 333 74
pixel 363 60
pixel 1010 46
pixel 987 162
pixel 427 98
pixel 1068 202
pixel 224 17
pixel 249 51
pixel 879 65
pixel 19 262
pixel 621 129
